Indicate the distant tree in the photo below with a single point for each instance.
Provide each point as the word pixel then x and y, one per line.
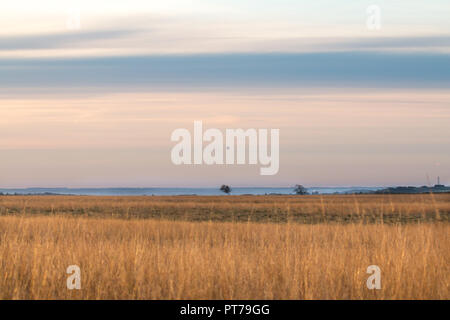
pixel 299 189
pixel 225 188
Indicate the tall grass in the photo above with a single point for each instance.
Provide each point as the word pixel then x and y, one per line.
pixel 130 258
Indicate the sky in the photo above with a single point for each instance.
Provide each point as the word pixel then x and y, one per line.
pixel 90 91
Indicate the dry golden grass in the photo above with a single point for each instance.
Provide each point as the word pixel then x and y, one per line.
pixel 390 209
pixel 125 257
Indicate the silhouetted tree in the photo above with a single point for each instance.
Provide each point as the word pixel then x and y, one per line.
pixel 225 188
pixel 299 189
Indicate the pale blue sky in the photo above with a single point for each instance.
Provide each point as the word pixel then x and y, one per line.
pixel 95 106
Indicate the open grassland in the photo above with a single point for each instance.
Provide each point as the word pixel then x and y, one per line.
pixel 391 209
pixel 225 247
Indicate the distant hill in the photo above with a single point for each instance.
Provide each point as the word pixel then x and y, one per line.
pixel 411 190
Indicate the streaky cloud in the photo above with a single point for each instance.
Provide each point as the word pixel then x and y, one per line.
pixel 393 42
pixel 60 40
pixel 334 69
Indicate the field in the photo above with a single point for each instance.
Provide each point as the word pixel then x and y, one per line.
pixel 229 247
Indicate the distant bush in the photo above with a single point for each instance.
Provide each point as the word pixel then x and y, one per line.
pixel 299 189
